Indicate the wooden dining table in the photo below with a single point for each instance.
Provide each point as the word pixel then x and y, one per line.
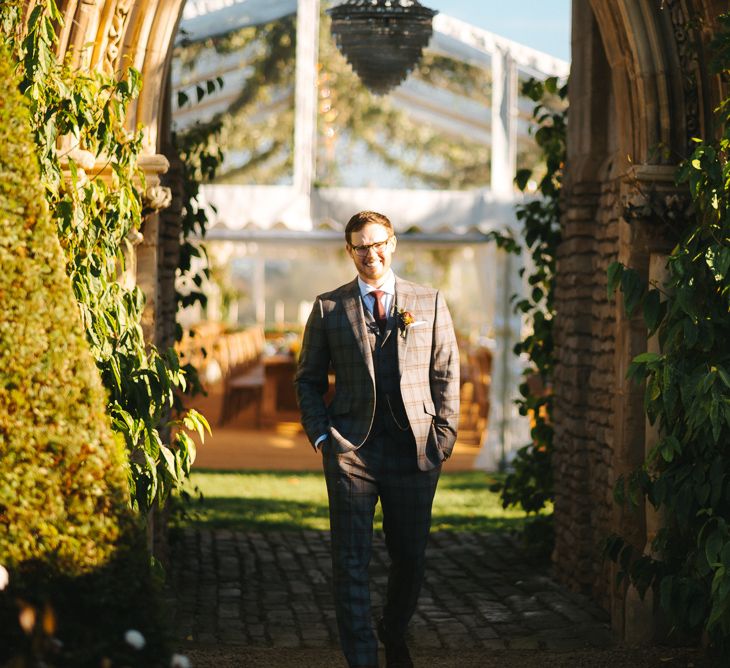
pixel 279 400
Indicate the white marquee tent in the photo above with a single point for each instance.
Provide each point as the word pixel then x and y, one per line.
pixel 303 213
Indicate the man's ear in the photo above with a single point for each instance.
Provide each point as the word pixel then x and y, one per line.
pixel 395 243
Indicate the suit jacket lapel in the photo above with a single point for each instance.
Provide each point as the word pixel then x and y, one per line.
pixel 352 303
pixel 405 300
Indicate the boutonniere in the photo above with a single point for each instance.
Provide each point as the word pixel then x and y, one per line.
pixel 405 320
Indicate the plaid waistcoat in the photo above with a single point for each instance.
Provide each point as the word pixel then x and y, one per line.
pixel 390 413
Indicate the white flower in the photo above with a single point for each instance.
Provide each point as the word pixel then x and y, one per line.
pixel 4 577
pixel 180 661
pixel 134 639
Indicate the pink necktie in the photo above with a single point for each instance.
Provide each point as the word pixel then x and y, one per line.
pixel 379 310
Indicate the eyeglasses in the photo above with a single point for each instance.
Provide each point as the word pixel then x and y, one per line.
pixel 378 247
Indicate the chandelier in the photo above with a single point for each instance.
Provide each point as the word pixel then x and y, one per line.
pixel 382 40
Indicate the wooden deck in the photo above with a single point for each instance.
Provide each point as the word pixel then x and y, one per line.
pixel 279 446
pixel 256 426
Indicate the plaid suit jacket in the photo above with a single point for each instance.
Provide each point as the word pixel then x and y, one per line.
pixel 428 359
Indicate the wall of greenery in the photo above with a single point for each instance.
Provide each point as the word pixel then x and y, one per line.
pixel 94 217
pixel 686 475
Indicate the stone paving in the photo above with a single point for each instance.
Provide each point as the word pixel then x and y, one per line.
pixel 272 589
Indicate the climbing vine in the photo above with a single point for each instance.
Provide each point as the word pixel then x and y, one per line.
pixel 686 475
pixel 97 210
pixel 530 483
pixel 258 124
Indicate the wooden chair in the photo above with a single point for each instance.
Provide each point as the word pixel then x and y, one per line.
pixel 244 378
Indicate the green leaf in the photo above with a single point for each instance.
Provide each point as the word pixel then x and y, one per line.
pixel 522 177
pixel 648 358
pixel 632 287
pixel 168 462
pixel 670 446
pixel 691 333
pixel 652 310
pixel 724 376
pixel 713 545
pixel 615 269
pixel 666 592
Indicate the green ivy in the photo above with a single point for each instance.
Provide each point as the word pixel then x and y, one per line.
pixel 686 476
pixel 530 482
pixel 266 138
pixel 199 150
pixel 94 217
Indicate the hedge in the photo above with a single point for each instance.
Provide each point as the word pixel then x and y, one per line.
pixel 74 550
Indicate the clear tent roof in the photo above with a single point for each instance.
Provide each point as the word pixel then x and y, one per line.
pixel 209 18
pixel 476 210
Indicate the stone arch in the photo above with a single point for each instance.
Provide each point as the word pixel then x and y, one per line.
pixel 110 36
pixel 639 91
pixel 640 80
pixel 658 69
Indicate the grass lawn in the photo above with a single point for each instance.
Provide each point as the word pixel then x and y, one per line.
pixel 279 500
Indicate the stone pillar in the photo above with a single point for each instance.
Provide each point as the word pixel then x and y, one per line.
pixel 585 329
pixel 156 197
pixel 168 260
pixel 642 616
pixel 647 189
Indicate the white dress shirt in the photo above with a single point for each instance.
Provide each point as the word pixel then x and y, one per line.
pixel 387 286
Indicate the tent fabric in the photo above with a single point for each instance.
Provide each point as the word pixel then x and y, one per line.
pixel 426 211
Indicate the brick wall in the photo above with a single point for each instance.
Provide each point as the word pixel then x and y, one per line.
pixel 169 256
pixel 584 388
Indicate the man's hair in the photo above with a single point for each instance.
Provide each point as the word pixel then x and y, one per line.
pixel 359 220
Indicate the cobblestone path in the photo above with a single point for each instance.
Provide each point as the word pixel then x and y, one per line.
pixel 272 590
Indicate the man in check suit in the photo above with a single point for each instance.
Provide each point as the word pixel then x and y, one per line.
pixel 391 424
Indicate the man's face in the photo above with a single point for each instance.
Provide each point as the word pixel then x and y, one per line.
pixel 373 262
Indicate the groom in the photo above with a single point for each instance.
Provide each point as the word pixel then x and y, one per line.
pixel 385 433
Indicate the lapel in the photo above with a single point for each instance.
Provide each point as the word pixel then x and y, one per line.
pixel 352 303
pixel 405 300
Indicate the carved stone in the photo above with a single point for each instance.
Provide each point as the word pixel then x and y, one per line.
pixel 156 198
pixel 115 35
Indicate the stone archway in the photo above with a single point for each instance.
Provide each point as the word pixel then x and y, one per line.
pixel 110 36
pixel 639 90
pixel 639 81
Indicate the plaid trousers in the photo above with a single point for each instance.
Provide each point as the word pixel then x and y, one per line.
pixel 385 468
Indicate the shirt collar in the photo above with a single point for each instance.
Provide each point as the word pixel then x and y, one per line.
pixel 387 286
